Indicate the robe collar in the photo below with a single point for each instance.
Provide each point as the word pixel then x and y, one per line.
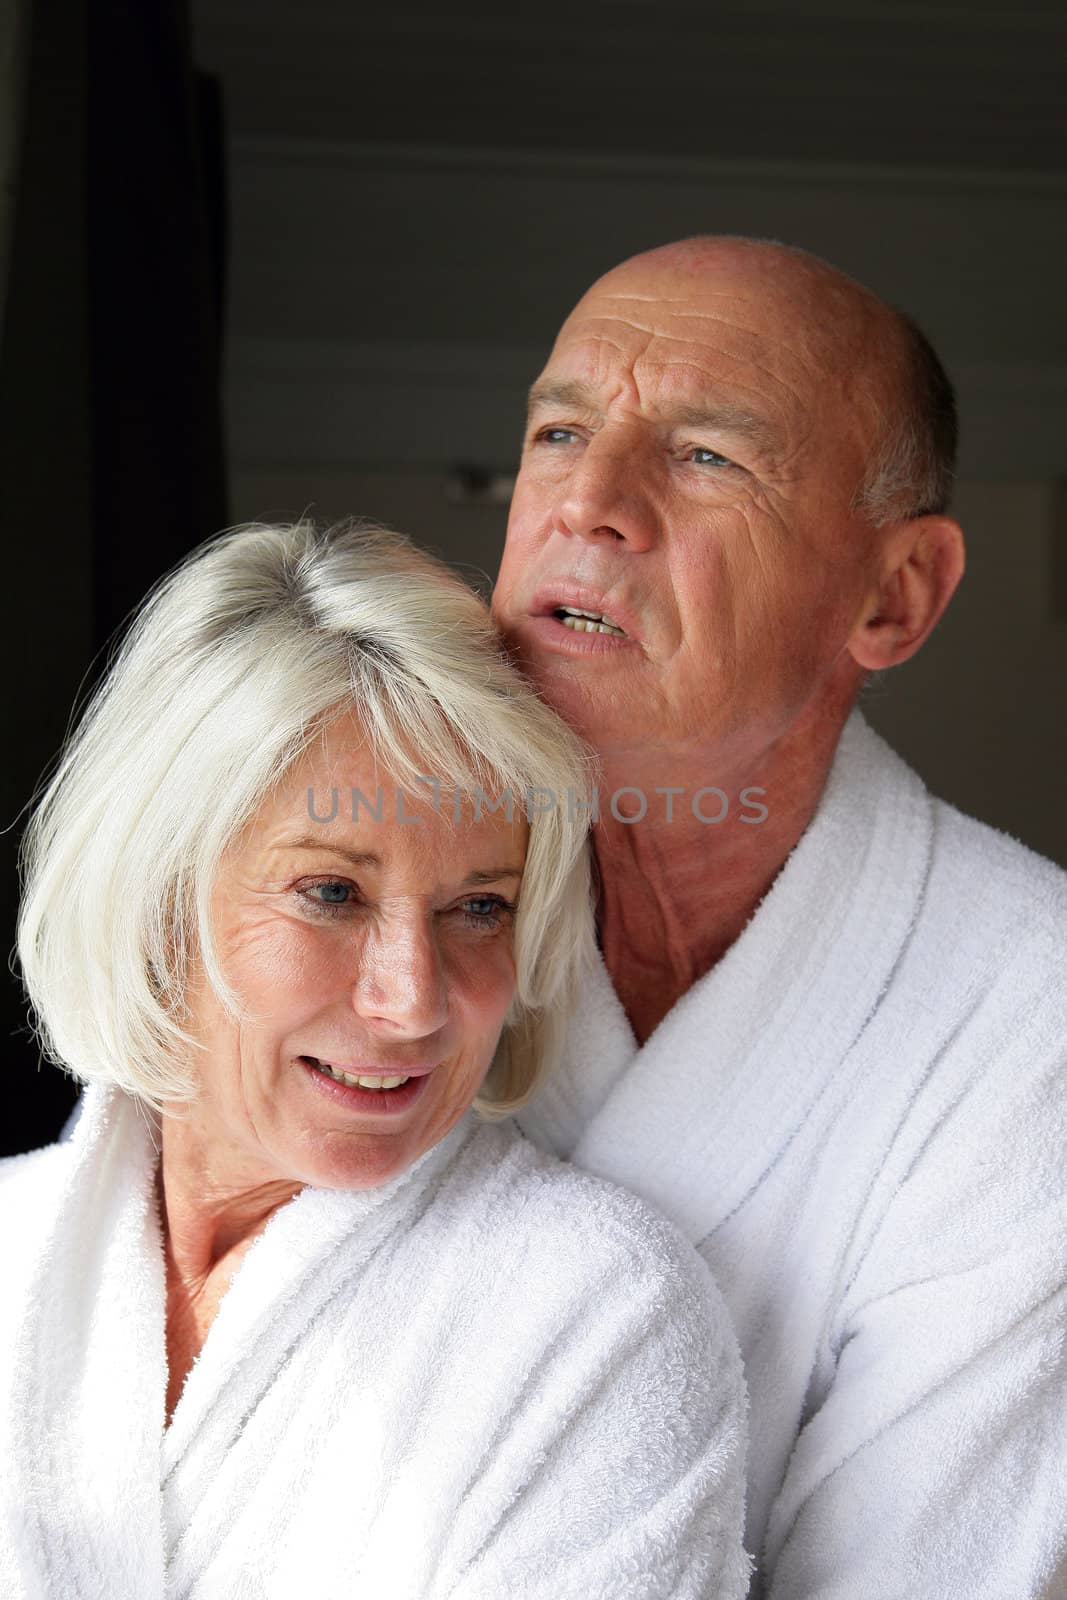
pixel 692 1120
pixel 104 1491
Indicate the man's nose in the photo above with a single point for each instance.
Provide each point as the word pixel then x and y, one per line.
pixel 608 494
pixel 401 982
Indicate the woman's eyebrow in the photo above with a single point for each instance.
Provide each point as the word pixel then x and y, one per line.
pixel 368 858
pixel 357 858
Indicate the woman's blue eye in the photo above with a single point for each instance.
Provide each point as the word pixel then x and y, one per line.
pixel 484 905
pixel 328 894
pixel 709 458
pixel 486 910
pixel 555 435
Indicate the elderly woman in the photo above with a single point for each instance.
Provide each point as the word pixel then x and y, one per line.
pixel 293 1308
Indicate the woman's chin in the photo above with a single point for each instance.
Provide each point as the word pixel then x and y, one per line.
pixel 360 1158
pixel 311 1129
pixel 328 1158
pixel 362 1161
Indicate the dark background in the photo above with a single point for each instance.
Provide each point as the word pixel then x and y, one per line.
pixel 265 256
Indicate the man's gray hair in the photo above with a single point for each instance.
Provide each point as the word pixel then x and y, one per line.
pixel 235 664
pixel 911 472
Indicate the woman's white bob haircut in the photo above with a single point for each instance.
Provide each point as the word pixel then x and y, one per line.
pixel 235 664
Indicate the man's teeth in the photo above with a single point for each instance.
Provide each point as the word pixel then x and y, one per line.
pixel 588 621
pixel 354 1082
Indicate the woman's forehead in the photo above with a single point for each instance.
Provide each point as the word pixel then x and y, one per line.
pixel 352 807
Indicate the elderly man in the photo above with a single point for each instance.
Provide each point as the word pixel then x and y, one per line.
pixel 829 1031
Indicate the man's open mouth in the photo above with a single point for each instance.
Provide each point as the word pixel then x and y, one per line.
pixel 587 621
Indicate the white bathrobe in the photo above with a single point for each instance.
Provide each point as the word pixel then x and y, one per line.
pixel 492 1377
pixel 859 1116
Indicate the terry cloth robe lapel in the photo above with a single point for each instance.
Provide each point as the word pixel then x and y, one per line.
pixel 691 1120
pixel 82 1406
pixel 85 1392
pixel 228 1390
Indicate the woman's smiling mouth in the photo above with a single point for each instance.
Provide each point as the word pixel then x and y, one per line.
pixel 364 1092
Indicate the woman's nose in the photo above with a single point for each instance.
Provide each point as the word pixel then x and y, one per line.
pixel 401 981
pixel 606 494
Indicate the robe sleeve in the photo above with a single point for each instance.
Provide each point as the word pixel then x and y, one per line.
pixel 632 1437
pixel 934 1463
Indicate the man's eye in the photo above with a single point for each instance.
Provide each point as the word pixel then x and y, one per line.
pixel 555 436
pixel 709 458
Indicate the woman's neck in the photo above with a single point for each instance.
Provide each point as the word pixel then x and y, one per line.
pixel 208 1225
pixel 213 1201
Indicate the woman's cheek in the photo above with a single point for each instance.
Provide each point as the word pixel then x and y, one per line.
pixel 484 983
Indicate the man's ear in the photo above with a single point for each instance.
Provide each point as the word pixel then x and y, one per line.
pixel 920 562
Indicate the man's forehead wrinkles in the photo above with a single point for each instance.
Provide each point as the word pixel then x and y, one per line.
pixel 686 307
pixel 676 299
pixel 603 343
pixel 775 401
pixel 759 341
pixel 687 402
pixel 707 377
pixel 752 348
pixel 590 326
pixel 759 334
pixel 597 332
pixel 649 299
pixel 599 352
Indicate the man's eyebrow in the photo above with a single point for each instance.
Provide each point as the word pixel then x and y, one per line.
pixel 729 418
pixel 572 393
pixel 717 415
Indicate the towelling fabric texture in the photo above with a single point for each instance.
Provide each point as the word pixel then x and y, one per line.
pixel 859 1117
pixel 494 1376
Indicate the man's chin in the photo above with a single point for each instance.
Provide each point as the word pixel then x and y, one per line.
pixel 599 717
pixel 581 696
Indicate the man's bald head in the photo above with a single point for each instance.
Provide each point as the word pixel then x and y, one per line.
pixel 733 463
pixel 879 356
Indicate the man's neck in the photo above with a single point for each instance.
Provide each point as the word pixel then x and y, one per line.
pixel 677 886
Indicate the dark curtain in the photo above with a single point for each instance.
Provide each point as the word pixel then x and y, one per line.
pixel 111 447
pixel 155 298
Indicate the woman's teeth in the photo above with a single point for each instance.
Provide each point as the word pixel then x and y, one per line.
pixel 362 1082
